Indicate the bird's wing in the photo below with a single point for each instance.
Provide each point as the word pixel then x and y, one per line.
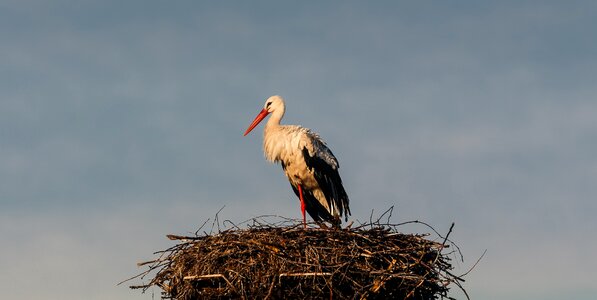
pixel 324 165
pixel 316 147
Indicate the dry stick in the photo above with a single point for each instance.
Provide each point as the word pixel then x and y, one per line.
pixel 216 220
pixel 436 232
pixel 388 211
pixel 310 274
pixel 437 256
pixel 377 236
pixel 474 265
pixel 200 227
pixel 154 265
pixel 270 290
pixel 231 224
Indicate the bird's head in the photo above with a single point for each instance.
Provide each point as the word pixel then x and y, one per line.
pixel 273 103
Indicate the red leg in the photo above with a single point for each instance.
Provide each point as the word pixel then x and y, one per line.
pixel 302 205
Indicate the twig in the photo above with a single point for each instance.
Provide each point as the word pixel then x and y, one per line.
pixel 370 259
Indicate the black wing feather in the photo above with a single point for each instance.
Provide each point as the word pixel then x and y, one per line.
pixel 317 212
pixel 329 181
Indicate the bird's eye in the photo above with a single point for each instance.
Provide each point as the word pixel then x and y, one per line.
pixel 268 104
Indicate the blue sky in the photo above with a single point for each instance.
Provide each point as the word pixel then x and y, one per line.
pixel 122 122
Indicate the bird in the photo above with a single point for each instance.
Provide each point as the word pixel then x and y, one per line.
pixel 309 165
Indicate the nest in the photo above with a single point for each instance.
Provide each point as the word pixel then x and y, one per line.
pixel 286 261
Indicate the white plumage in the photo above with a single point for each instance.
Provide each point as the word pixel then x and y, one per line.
pixel 308 163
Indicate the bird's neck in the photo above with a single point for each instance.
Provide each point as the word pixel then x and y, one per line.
pixel 271 145
pixel 274 119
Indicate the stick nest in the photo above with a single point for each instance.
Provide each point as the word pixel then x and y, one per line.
pixel 286 261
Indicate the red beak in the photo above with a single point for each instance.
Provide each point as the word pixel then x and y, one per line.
pixel 258 119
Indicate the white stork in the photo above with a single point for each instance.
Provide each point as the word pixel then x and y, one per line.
pixel 310 166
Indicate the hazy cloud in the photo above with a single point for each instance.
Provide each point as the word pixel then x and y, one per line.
pixel 120 123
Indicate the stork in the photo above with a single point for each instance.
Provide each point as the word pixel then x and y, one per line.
pixel 308 163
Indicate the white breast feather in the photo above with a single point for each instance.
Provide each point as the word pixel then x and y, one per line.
pixel 286 142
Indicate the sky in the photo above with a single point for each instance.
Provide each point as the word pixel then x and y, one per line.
pixel 121 122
